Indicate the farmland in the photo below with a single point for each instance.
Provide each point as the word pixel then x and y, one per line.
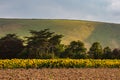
pixel 61 74
pixel 62 69
pixel 59 69
pixel 58 63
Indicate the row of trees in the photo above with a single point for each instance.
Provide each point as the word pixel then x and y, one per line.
pixel 45 44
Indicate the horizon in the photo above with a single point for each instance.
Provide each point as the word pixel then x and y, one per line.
pixel 90 10
pixel 60 19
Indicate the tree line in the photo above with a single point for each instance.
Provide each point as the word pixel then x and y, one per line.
pixel 45 44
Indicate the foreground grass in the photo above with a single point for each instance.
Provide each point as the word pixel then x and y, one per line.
pixel 59 63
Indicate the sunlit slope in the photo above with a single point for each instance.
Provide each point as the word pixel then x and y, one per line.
pixel 87 31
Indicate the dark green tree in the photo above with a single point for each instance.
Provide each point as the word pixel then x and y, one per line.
pixel 55 45
pixel 96 51
pixel 38 43
pixel 42 43
pixel 76 49
pixel 116 53
pixel 10 46
pixel 107 53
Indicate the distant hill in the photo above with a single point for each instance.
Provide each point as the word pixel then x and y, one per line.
pixel 108 34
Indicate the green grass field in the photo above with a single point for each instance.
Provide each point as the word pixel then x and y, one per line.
pixel 86 31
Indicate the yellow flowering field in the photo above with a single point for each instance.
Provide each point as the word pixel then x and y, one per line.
pixel 59 63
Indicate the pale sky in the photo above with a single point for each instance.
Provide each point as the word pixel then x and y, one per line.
pixel 93 10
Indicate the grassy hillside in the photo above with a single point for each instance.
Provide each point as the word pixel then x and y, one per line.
pixel 106 33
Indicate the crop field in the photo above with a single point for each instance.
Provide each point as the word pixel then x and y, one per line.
pixel 59 63
pixel 61 74
pixel 59 69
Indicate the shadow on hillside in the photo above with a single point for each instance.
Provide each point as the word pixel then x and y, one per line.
pixel 106 34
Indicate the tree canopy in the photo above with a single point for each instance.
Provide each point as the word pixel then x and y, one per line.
pixel 44 44
pixel 10 46
pixel 96 50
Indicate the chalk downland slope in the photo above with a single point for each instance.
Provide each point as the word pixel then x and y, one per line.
pixel 108 34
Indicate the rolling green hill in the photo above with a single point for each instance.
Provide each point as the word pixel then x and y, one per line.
pixel 107 34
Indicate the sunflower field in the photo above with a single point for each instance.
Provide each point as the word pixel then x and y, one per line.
pixel 58 63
